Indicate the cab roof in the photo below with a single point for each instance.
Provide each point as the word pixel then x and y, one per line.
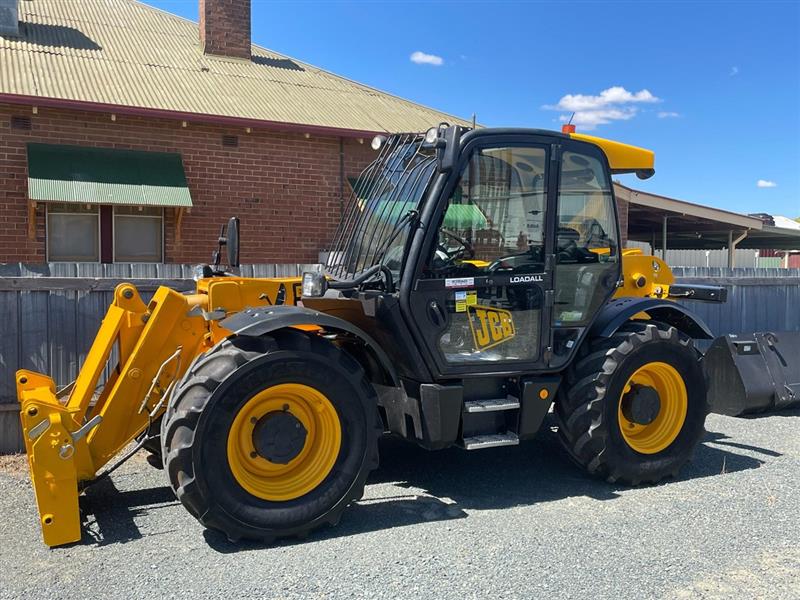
pixel 622 158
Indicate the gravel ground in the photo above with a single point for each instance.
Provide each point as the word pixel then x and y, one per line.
pixel 505 523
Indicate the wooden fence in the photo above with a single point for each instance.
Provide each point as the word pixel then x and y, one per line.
pixel 52 312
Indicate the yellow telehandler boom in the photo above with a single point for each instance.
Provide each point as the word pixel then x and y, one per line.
pixel 72 433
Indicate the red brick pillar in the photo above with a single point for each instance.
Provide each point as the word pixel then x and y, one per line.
pixel 225 27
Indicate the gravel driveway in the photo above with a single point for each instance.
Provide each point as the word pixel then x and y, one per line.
pixel 500 523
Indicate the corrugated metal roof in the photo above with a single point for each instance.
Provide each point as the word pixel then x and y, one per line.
pixel 125 53
pixel 106 176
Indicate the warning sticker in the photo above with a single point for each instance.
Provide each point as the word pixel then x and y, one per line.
pixel 464 299
pixel 461 302
pixel 459 282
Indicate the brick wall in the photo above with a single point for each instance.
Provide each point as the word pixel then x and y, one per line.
pixel 225 27
pixel 284 187
pixel 622 211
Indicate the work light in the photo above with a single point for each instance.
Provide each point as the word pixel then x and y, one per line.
pixel 431 135
pixel 378 141
pixel 314 284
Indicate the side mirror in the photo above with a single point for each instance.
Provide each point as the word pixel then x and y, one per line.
pixel 232 242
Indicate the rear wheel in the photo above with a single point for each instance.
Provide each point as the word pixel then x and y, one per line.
pixel 634 405
pixel 271 437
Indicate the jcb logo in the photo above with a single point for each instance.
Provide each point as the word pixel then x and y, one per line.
pixel 490 326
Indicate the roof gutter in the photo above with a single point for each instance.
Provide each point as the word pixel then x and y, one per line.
pixel 184 116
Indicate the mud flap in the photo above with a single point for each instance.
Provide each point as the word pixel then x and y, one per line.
pixel 753 373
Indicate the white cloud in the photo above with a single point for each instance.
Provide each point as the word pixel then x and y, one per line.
pixel 668 115
pixel 421 58
pixel 734 71
pixel 608 97
pixel 612 104
pixel 766 183
pixel 589 119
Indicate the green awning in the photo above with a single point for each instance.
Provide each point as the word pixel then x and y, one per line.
pixel 457 216
pixel 464 216
pixel 106 176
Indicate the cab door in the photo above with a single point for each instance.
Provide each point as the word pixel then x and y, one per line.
pixel 479 301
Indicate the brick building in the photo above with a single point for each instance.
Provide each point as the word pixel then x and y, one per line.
pixel 128 134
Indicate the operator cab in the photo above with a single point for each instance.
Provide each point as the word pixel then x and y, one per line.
pixel 479 251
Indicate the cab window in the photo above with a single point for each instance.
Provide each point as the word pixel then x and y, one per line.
pixel 587 248
pixel 494 221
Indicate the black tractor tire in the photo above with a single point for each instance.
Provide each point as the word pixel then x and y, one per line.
pixel 587 404
pixel 217 385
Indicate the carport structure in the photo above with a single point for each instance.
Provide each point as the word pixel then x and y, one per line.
pixel 676 224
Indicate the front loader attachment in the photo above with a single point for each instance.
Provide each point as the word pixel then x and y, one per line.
pixel 69 435
pixel 754 373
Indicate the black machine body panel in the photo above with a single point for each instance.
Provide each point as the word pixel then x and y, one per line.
pixel 620 310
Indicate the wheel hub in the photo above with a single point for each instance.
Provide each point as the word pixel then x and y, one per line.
pixel 279 437
pixel 641 405
pixel 272 457
pixel 652 407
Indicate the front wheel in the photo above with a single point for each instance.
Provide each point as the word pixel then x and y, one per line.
pixel 634 405
pixel 271 437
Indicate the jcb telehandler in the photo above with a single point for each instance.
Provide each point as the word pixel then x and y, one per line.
pixel 476 279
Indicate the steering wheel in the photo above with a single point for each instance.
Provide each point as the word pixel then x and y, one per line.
pixel 465 246
pixel 512 262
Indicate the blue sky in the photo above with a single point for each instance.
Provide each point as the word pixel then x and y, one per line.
pixel 712 87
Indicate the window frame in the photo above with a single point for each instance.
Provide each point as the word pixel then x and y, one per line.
pixel 580 147
pixel 585 148
pixel 47 254
pixel 112 232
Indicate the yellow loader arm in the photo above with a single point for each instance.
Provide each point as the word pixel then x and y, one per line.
pixel 72 433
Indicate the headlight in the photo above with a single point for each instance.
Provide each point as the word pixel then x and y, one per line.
pixel 314 284
pixel 377 142
pixel 431 135
pixel 198 272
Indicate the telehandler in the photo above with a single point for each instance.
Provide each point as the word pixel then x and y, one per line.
pixel 476 280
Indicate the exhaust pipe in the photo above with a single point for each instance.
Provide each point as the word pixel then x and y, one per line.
pixel 753 373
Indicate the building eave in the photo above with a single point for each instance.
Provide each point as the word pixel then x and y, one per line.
pixel 189 117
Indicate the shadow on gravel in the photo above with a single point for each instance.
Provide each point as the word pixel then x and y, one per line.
pixel 108 515
pixel 444 485
pixel 713 458
pixel 786 412
pixel 441 486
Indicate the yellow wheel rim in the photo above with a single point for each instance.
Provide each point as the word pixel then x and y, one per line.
pixel 281 482
pixel 662 431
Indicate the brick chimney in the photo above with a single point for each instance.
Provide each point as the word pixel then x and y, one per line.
pixel 9 18
pixel 225 27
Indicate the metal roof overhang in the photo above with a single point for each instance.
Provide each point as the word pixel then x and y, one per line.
pixel 106 176
pixel 696 227
pixel 189 117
